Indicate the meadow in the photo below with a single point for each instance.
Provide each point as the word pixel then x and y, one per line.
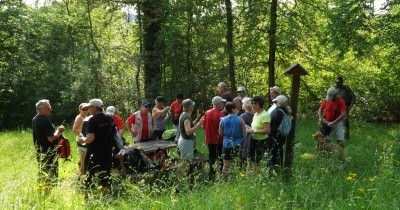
pixel 368 180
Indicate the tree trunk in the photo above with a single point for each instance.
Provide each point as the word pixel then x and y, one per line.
pixel 140 57
pixel 229 44
pixel 95 64
pixel 152 11
pixel 272 43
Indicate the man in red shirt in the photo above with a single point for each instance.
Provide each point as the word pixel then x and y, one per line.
pixel 213 139
pixel 176 109
pixel 140 124
pixel 332 112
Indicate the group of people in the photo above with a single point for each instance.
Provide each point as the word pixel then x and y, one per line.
pixel 235 128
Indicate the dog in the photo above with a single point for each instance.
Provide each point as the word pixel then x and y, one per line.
pixel 323 144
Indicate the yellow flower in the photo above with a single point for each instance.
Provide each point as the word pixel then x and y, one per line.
pixel 350 178
pixel 371 178
pixel 361 189
pixel 307 156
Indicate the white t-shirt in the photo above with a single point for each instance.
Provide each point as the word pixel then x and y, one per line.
pixel 272 108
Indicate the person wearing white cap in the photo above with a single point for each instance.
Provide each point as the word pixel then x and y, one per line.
pixel 212 139
pixel 332 112
pixel 241 91
pixel 273 93
pixel 112 111
pixel 278 140
pixel 99 140
pixel 79 128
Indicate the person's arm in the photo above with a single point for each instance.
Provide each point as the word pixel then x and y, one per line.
pixel 220 130
pixel 56 134
pixel 77 125
pixel 243 127
pixel 129 123
pixel 190 130
pixel 353 97
pixel 88 139
pixel 320 112
pixel 342 107
pixel 159 112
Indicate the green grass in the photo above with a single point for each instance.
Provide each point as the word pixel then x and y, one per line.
pixel 368 180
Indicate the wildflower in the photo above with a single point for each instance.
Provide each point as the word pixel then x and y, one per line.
pixel 361 190
pixel 371 178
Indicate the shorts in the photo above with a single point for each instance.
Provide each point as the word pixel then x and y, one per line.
pixel 230 153
pixel 257 149
pixel 175 121
pixel 337 132
pixel 186 148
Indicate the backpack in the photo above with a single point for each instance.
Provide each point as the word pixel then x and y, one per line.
pixel 137 161
pixel 114 135
pixel 286 124
pixel 170 134
pixel 64 148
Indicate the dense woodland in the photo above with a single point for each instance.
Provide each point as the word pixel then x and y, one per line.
pixel 72 50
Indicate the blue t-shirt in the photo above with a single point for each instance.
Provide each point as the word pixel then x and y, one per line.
pixel 232 128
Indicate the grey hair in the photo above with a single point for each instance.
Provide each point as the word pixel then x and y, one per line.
pixel 40 104
pixel 247 104
pixel 222 84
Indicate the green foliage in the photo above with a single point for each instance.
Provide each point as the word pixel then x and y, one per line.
pixel 71 51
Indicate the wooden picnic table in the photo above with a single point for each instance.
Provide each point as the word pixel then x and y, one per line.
pixel 152 146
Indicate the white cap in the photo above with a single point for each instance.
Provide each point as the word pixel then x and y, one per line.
pixel 217 99
pixel 281 99
pixel 110 110
pixel 276 89
pixel 241 89
pixel 94 102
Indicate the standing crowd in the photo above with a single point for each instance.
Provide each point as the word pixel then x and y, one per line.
pixel 236 128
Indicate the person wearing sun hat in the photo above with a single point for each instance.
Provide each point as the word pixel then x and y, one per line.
pixel 140 124
pixel 241 91
pixel 273 93
pixel 99 140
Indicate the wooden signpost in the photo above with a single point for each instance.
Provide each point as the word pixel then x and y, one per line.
pixel 296 70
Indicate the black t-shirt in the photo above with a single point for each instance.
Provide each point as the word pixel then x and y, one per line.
pixel 227 97
pixel 276 119
pixel 42 128
pixel 101 147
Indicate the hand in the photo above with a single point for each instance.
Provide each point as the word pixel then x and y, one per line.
pixel 60 129
pixel 330 124
pixel 201 120
pixel 250 130
pixel 81 140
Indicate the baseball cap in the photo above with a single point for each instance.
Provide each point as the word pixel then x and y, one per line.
pixel 241 89
pixel 145 103
pixel 276 89
pixel 110 110
pixel 160 99
pixel 217 99
pixel 94 102
pixel 280 99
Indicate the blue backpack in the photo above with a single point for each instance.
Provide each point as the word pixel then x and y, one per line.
pixel 286 124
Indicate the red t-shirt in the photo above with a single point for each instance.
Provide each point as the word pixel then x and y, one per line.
pixel 145 125
pixel 211 125
pixel 118 122
pixel 333 108
pixel 176 107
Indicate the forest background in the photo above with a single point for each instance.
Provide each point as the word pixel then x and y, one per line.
pixel 124 51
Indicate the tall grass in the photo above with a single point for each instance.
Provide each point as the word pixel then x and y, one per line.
pixel 368 180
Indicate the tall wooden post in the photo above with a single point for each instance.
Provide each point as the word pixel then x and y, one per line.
pixel 296 70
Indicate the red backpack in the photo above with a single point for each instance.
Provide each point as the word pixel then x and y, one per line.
pixel 64 148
